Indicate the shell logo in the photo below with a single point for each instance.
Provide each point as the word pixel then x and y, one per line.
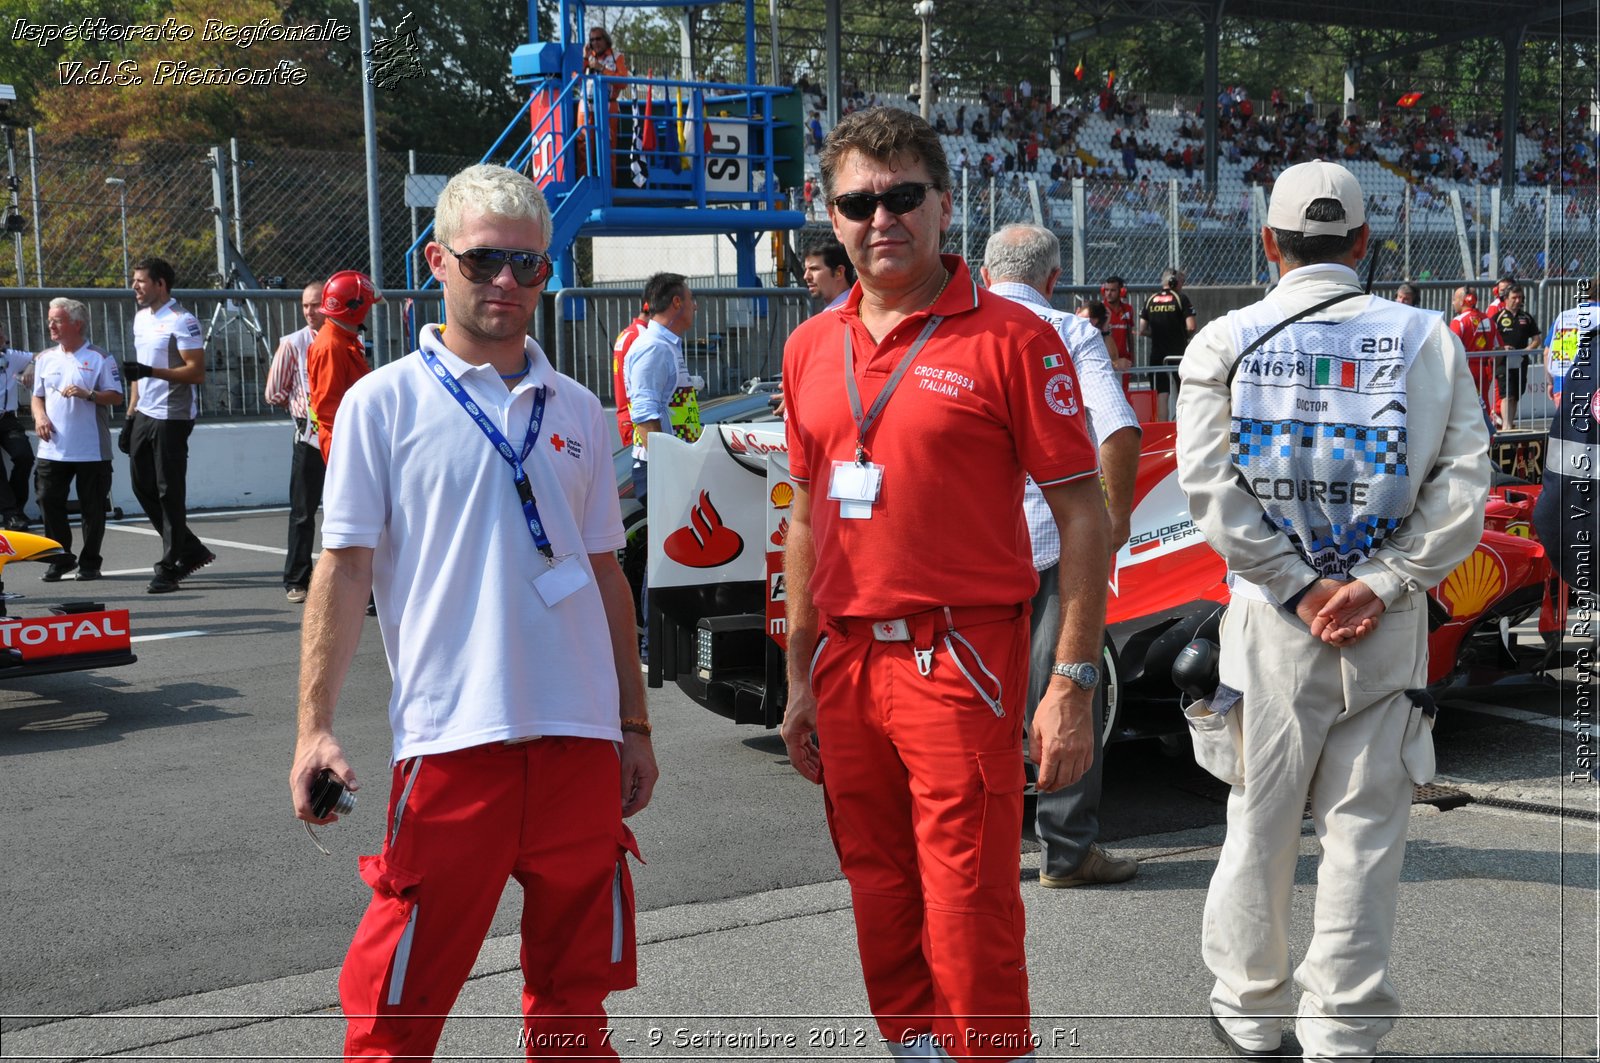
pixel 1475 583
pixel 782 496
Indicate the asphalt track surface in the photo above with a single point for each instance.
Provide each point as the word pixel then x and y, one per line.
pixel 150 850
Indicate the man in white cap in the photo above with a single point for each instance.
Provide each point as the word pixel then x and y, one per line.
pixel 1333 452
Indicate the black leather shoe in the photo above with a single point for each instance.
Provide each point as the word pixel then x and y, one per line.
pixel 55 573
pixel 193 565
pixel 1288 1048
pixel 88 574
pixel 162 585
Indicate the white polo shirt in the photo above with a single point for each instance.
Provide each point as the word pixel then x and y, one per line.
pixel 82 428
pixel 159 334
pixel 475 653
pixel 12 364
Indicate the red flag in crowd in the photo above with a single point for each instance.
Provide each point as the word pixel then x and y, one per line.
pixel 1409 99
pixel 1077 71
pixel 1111 78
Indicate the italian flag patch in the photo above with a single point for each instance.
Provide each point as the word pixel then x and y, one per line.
pixel 1053 361
pixel 1335 372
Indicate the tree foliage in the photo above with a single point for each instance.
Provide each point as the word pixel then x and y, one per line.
pixel 140 89
pixel 464 96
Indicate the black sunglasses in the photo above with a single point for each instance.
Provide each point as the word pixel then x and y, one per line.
pixel 480 265
pixel 901 199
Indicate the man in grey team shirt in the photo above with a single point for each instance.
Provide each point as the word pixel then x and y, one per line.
pixel 166 376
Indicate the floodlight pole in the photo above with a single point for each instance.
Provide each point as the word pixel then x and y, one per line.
pixel 369 110
pixel 122 194
pixel 923 9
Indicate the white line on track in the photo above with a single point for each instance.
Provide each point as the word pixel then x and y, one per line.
pixel 210 513
pixel 278 550
pixel 1506 712
pixel 167 635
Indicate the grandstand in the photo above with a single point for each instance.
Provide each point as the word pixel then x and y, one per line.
pixel 1407 163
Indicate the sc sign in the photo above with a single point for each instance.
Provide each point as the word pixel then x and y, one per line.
pixel 727 162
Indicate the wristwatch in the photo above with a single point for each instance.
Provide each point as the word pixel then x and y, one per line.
pixel 1082 673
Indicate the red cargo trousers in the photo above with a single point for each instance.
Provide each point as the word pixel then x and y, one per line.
pixel 923 777
pixel 546 812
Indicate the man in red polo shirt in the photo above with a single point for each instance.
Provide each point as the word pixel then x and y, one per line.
pixel 1119 320
pixel 914 411
pixel 1479 336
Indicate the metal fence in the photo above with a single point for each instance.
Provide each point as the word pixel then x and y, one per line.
pixel 241 328
pixel 738 333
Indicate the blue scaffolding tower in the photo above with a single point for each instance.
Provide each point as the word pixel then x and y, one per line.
pixel 643 156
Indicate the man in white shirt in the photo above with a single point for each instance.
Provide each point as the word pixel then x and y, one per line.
pixel 166 375
pixel 13 438
pixel 661 395
pixel 75 384
pixel 828 273
pixel 1332 450
pixel 288 384
pixel 1023 263
pixel 471 490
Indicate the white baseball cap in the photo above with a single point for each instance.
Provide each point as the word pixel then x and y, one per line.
pixel 1299 186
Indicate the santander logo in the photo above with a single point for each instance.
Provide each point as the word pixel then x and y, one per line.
pixel 706 542
pixel 748 442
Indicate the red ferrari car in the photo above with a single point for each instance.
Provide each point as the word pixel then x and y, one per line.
pixel 1168 587
pixel 718 519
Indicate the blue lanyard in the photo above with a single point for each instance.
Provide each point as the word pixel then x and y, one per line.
pixel 530 508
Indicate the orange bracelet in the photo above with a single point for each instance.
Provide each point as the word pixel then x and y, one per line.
pixel 637 725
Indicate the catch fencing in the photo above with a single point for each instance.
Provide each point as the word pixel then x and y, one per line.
pixel 294 215
pixel 1117 228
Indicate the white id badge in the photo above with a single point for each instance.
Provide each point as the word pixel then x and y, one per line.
pixel 855 487
pixel 565 578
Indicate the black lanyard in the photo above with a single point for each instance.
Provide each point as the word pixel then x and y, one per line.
pixel 865 421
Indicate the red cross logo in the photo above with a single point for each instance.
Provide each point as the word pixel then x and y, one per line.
pixel 557 442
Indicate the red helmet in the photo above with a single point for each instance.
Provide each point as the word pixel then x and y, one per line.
pixel 348 295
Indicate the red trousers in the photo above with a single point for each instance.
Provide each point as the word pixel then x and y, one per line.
pixel 547 813
pixel 923 779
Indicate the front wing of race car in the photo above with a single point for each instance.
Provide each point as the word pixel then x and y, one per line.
pixel 73 637
pixel 77 636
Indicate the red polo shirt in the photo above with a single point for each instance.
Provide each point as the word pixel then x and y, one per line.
pixel 1119 320
pixel 991 395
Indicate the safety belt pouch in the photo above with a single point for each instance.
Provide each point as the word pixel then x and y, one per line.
pixel 1217 733
pixel 1416 748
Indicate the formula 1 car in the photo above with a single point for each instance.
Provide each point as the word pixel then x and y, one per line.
pixel 718 517
pixel 75 636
